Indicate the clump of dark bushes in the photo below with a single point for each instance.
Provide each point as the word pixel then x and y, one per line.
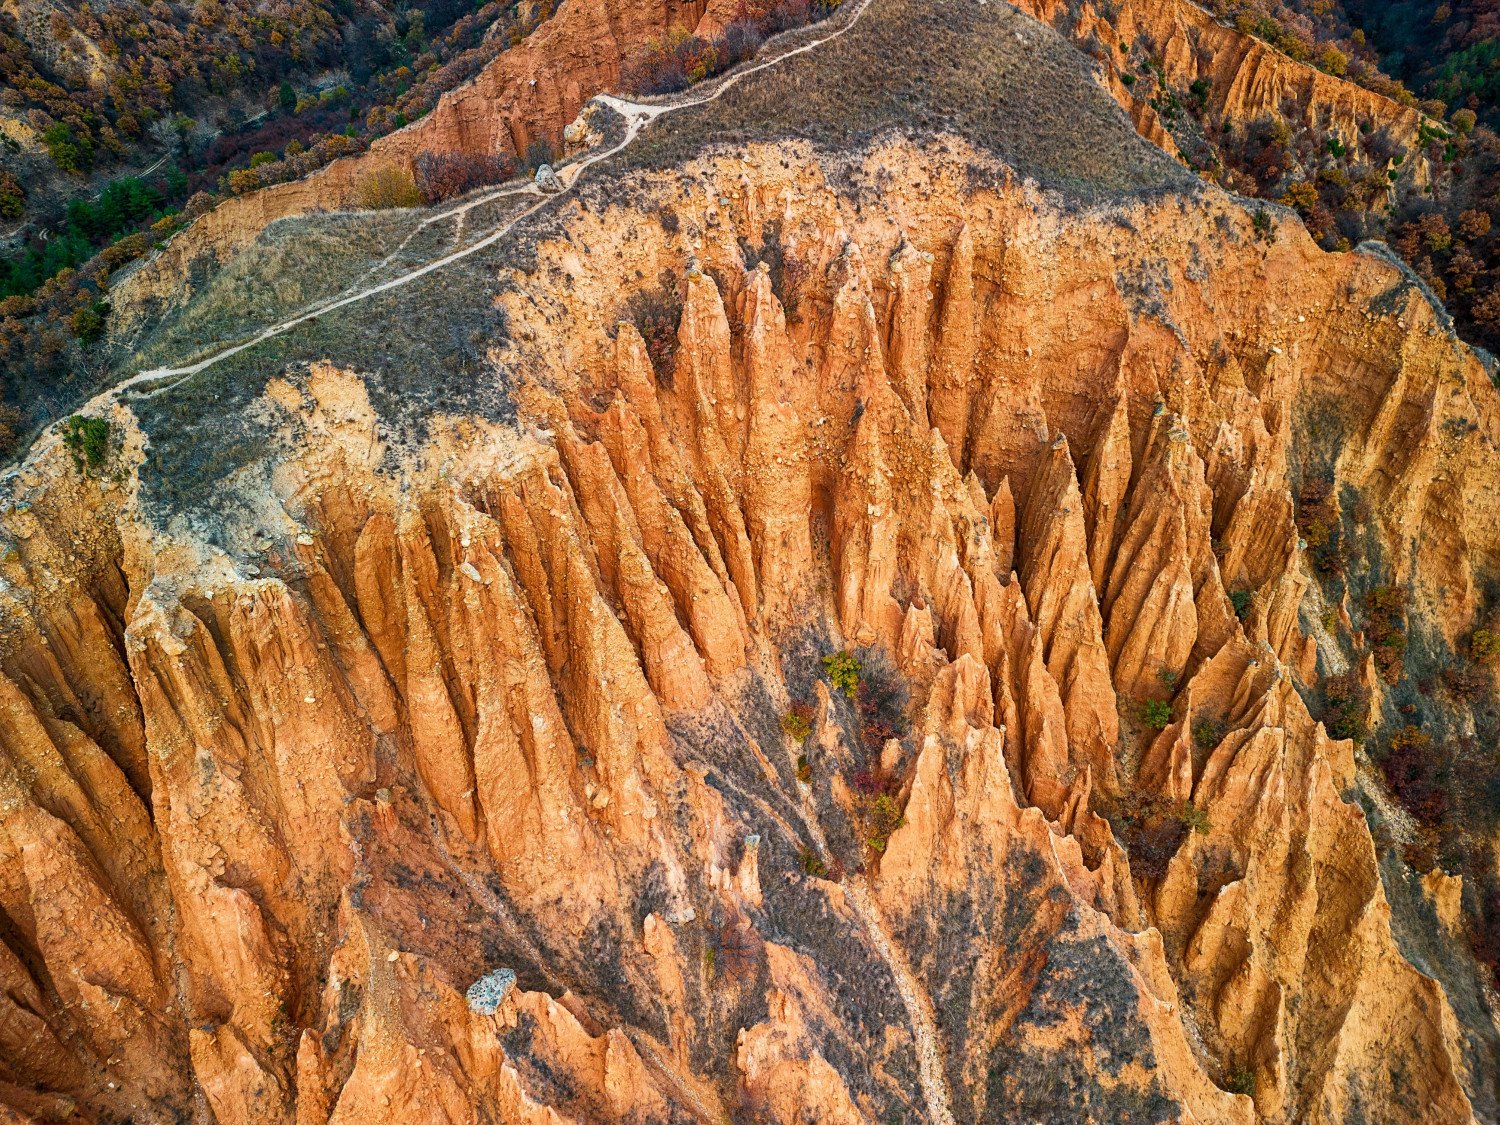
pixel 1346 707
pixel 444 175
pixel 1417 775
pixel 881 698
pixel 1152 827
pixel 788 275
pixel 1318 524
pixel 798 722
pixel 657 314
pixel 1385 607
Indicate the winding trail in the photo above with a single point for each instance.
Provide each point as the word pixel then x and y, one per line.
pixel 637 116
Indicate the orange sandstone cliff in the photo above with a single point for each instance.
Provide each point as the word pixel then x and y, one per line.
pixel 510 766
pixel 1245 81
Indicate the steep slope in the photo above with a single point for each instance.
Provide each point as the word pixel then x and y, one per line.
pixel 841 657
pixel 529 93
pixel 1245 82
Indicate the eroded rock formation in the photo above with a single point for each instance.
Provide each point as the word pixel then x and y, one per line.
pixel 276 792
pixel 1245 82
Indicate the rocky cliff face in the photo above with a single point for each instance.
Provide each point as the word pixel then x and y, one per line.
pixel 1245 82
pixel 551 699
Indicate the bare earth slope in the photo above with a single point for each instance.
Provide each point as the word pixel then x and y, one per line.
pixel 467 636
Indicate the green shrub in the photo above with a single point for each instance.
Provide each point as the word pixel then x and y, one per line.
pixel 12 196
pixel 1151 827
pixel 843 670
pixel 1194 819
pixel 1156 713
pixel 88 322
pixel 1385 607
pixel 1242 601
pixel 1208 733
pixel 1484 645
pixel 1242 1081
pixel 885 818
pixel 811 864
pixel 1346 707
pixel 70 151
pixel 797 723
pixel 87 439
pixel 657 314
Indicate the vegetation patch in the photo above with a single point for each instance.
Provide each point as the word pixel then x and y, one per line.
pixel 87 439
pixel 657 314
pixel 884 817
pixel 1241 1081
pixel 1208 732
pixel 798 722
pixel 441 176
pixel 1317 513
pixel 1385 608
pixel 1152 827
pixel 387 188
pixel 1346 707
pixel 1417 774
pixel 788 275
pixel 1155 714
pixel 843 670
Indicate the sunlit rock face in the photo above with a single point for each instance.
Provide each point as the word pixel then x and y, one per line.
pixel 290 794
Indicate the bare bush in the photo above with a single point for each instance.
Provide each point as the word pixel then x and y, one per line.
pixel 444 175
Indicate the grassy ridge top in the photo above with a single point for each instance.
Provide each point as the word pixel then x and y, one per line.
pixel 981 70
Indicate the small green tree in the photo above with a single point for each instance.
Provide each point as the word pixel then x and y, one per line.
pixel 1194 818
pixel 1156 713
pixel 797 723
pixel 1208 733
pixel 68 150
pixel 286 97
pixel 1242 600
pixel 1484 645
pixel 12 196
pixel 885 818
pixel 843 670
pixel 87 439
pixel 88 323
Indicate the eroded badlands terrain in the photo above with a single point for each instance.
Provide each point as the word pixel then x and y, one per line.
pixel 848 654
